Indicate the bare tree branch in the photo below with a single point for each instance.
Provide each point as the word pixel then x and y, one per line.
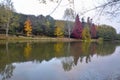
pixel 56 7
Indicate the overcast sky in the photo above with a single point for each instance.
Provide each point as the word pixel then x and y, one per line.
pixel 34 7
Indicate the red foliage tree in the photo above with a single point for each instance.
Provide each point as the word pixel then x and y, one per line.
pixel 77 29
pixel 93 31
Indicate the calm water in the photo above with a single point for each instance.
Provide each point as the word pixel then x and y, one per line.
pixel 59 61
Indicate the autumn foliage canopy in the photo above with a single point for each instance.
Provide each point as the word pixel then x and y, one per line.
pixel 28 27
pixel 84 31
pixel 77 30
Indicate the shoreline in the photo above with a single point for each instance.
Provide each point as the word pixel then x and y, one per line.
pixel 37 39
pixel 41 39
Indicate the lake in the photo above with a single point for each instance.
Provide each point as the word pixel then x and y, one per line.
pixel 59 61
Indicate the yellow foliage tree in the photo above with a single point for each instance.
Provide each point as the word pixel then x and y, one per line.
pixel 58 32
pixel 86 34
pixel 28 27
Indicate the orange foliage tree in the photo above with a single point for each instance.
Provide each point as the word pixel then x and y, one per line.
pixel 28 27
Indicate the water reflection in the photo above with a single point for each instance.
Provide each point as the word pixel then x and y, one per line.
pixel 27 50
pixel 71 53
pixel 7 71
pixel 67 63
pixel 87 50
pixel 6 67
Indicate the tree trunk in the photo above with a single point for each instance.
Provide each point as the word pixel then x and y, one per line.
pixel 69 31
pixel 69 28
pixel 7 29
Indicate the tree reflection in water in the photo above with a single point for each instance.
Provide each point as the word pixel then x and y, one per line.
pixel 84 51
pixel 27 50
pixel 71 52
pixel 81 51
pixel 6 70
pixel 67 63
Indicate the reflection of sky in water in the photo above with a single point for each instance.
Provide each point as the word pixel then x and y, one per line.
pixel 100 68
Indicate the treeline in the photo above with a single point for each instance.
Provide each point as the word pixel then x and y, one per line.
pixel 41 26
pixel 107 32
pixel 48 26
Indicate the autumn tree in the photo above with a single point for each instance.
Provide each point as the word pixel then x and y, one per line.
pixel 28 27
pixel 77 29
pixel 58 32
pixel 86 33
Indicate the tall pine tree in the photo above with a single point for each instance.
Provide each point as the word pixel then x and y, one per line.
pixel 77 30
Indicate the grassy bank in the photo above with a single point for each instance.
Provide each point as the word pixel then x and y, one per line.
pixel 39 39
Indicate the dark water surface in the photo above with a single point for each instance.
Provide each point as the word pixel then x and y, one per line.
pixel 59 61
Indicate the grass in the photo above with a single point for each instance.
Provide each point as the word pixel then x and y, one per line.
pixel 39 39
pixel 36 38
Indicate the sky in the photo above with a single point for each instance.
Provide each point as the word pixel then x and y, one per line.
pixel 34 7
